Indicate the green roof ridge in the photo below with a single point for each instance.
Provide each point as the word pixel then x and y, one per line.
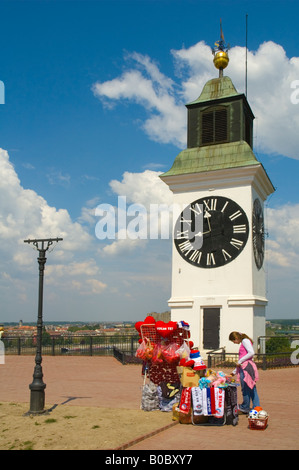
pixel 213 157
pixel 215 89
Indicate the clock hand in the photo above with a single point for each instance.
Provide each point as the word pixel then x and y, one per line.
pixel 207 216
pixel 200 234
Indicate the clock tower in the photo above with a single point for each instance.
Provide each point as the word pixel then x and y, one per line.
pixel 218 272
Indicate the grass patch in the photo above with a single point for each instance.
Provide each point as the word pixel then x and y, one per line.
pixel 50 420
pixel 18 445
pixel 28 445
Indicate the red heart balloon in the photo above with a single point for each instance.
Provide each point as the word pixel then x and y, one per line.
pixel 165 329
pixel 161 328
pixel 149 320
pixel 172 325
pixel 138 325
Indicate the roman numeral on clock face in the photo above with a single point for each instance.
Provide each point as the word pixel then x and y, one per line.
pixel 239 228
pixel 197 209
pixel 224 207
pixel 226 255
pixel 180 235
pixel 210 204
pixel 236 243
pixel 235 215
pixel 185 246
pixel 210 259
pixel 195 256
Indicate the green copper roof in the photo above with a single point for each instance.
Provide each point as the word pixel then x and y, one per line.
pixel 215 89
pixel 213 157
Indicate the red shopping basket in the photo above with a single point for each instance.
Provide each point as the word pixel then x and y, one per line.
pixel 258 423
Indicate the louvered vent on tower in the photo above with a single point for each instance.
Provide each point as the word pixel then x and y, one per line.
pixel 214 126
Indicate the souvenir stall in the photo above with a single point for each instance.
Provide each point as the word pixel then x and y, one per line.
pixel 176 378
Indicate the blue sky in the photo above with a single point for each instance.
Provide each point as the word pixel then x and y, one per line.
pixel 94 109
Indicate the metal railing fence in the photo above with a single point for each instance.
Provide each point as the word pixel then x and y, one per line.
pixel 263 361
pixel 101 345
pixel 273 352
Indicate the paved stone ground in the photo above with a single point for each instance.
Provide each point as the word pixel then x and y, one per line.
pixel 104 382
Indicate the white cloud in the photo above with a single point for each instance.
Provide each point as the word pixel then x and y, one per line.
pixel 120 246
pixel 55 177
pixel 26 215
pixel 96 286
pixel 194 66
pixel 142 188
pixel 88 268
pixel 87 216
pixel 282 256
pixel 88 212
pixel 270 76
pixel 143 212
pixel 283 245
pixel 28 166
pixel 152 90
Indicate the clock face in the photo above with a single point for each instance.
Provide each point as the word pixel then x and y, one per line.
pixel 258 233
pixel 211 232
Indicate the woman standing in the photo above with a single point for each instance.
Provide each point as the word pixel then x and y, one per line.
pixel 246 370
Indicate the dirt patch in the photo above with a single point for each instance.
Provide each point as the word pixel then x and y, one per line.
pixel 75 427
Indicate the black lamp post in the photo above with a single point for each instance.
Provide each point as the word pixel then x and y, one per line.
pixel 37 387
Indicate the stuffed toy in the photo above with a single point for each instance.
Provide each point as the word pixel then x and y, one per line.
pixel 195 361
pixel 184 326
pixel 208 380
pixel 220 379
pixel 215 379
pixel 204 382
pixel 185 362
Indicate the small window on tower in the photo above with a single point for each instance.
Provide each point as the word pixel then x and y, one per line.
pixel 214 126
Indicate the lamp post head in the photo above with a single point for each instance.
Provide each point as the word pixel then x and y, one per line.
pixel 45 243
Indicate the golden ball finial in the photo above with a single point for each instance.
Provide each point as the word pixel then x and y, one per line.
pixel 221 59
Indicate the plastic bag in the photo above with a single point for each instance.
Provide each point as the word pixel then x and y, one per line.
pixel 150 398
pixel 149 349
pixel 145 350
pixel 140 353
pixel 166 403
pixel 158 354
pixel 170 354
pixel 184 351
